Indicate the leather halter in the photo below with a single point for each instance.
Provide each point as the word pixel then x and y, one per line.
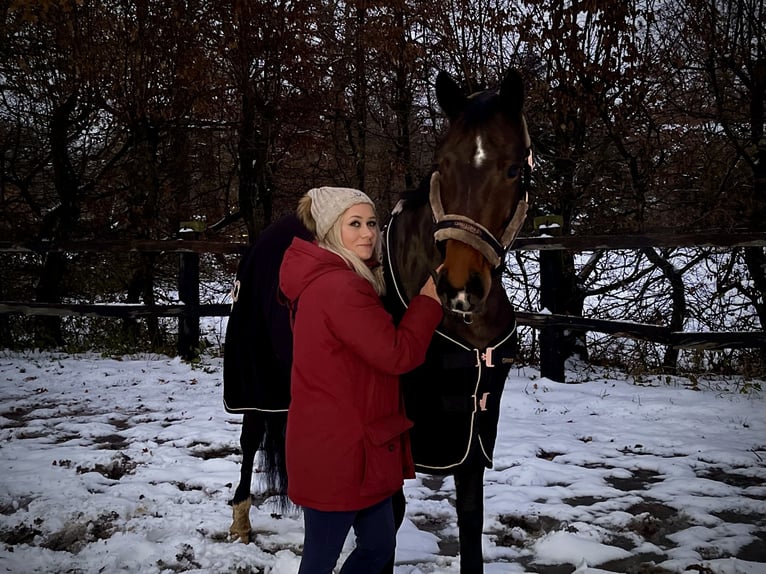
pixel 466 355
pixel 468 231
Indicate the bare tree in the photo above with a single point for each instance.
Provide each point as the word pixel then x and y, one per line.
pixel 723 45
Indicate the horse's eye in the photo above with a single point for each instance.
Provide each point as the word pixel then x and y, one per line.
pixel 513 171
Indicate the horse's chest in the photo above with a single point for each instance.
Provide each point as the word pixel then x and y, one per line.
pixel 454 401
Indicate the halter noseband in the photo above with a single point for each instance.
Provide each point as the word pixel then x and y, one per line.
pixel 466 230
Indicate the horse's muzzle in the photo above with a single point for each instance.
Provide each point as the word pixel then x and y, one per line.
pixel 465 279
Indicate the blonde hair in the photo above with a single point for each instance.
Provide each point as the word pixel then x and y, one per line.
pixel 333 242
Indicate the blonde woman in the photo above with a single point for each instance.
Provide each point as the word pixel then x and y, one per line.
pixel 347 445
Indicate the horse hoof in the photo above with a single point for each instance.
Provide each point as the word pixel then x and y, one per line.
pixel 240 526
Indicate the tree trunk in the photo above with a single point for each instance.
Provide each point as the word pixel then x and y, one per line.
pixel 58 223
pixel 755 259
pixel 678 298
pixel 141 287
pixel 360 97
pixel 255 180
pixel 143 212
pixel 403 106
pixel 247 190
pixel 757 119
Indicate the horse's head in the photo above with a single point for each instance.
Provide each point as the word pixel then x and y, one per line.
pixel 478 193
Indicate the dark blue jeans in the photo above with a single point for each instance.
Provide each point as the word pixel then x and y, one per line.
pixel 325 533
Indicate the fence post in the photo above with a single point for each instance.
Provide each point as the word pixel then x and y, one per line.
pixel 551 279
pixel 188 293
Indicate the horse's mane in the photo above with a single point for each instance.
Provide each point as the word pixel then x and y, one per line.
pixel 417 197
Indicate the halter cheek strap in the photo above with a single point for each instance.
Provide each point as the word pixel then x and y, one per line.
pixel 466 230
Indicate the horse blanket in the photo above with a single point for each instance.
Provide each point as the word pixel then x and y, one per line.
pixel 454 401
pixel 258 344
pixel 453 398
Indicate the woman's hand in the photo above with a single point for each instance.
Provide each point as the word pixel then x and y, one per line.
pixel 429 288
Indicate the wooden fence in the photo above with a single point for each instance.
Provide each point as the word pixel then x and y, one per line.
pixel 189 309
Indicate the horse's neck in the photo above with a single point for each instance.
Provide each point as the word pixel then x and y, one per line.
pixel 414 256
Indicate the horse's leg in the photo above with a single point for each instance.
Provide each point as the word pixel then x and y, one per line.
pixel 250 438
pixel 469 502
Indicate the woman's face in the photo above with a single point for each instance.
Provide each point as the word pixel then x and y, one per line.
pixel 359 230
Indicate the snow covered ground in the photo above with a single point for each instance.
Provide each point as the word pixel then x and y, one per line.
pixel 126 464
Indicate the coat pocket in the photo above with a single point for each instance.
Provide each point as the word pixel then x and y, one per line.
pixel 383 456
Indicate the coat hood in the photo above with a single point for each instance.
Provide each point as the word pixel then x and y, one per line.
pixel 304 262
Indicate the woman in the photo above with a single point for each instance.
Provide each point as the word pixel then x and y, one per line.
pixel 347 447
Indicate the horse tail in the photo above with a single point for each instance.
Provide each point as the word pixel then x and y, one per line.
pixel 273 462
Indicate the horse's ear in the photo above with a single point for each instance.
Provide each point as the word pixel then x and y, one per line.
pixel 512 91
pixel 450 96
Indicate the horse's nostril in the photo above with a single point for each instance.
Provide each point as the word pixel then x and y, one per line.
pixel 468 298
pixel 462 302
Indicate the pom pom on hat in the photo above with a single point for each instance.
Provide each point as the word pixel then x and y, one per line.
pixel 329 203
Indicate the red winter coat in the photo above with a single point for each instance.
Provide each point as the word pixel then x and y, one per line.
pixel 347 446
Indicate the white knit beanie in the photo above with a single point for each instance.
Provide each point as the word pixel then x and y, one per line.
pixel 329 203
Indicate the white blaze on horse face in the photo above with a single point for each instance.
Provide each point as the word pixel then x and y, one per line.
pixel 480 154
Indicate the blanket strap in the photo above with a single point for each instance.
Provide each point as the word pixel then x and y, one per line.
pixel 468 358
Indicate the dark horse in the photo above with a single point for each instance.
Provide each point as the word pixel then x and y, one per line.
pixel 465 215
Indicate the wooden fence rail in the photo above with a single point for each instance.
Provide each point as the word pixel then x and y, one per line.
pixel 614 242
pixel 641 331
pixel 117 310
pixel 710 341
pixel 191 310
